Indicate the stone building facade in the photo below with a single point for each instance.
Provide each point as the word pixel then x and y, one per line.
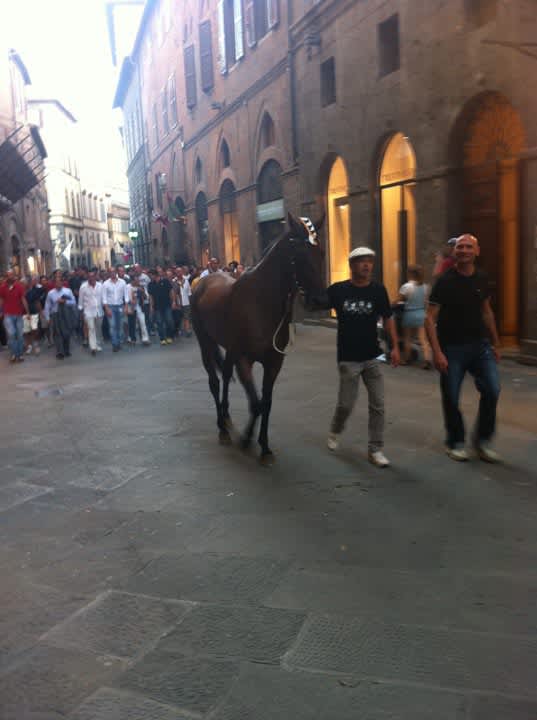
pixel 24 233
pixel 410 122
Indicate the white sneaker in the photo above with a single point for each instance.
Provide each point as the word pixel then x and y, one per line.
pixel 457 453
pixel 379 459
pixel 488 454
pixel 333 441
pixel 29 350
pixel 99 348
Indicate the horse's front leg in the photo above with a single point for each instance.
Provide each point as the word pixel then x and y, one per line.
pixel 271 368
pixel 244 371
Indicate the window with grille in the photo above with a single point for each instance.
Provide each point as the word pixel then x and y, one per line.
pixel 388 45
pixel 328 82
pixel 190 76
pixel 206 56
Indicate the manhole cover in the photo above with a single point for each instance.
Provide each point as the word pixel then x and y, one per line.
pixel 49 392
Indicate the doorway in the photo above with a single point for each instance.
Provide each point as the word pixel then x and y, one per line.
pixel 228 209
pixel 339 236
pixel 397 212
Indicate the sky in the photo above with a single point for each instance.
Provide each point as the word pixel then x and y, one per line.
pixel 64 45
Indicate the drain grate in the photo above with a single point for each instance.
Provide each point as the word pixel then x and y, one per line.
pixel 49 392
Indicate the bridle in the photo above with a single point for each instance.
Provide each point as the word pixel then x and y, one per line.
pixel 312 240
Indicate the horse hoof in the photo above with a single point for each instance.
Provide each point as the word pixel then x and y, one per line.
pixel 267 459
pixel 228 424
pixel 223 437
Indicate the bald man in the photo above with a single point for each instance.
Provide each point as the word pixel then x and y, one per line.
pixel 462 331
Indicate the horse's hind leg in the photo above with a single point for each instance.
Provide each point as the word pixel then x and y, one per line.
pixel 209 362
pixel 227 372
pixel 244 371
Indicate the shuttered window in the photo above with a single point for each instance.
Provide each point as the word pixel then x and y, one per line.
pixel 249 21
pixel 190 76
pixel 164 105
pixel 206 56
pixel 155 124
pixel 237 22
pixel 273 13
pixel 172 93
pixel 222 59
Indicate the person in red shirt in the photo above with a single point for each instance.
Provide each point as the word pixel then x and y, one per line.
pixel 14 306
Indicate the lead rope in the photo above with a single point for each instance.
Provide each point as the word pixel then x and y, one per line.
pixel 285 313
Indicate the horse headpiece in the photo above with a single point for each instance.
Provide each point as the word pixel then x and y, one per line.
pixel 310 228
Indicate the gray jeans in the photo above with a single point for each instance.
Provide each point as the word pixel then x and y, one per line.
pixel 349 380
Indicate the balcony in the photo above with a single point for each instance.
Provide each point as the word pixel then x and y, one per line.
pixel 22 156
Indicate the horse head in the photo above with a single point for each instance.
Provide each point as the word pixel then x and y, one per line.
pixel 307 256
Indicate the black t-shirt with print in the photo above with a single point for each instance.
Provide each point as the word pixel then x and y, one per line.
pixel 160 292
pixel 358 309
pixel 461 297
pixel 34 297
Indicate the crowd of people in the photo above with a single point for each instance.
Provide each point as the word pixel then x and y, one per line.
pixel 120 305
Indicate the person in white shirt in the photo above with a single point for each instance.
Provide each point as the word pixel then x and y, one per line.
pixel 211 268
pixel 114 303
pixel 90 303
pixel 184 291
pixel 59 307
pixel 135 300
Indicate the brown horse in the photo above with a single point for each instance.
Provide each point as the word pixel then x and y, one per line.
pixel 249 318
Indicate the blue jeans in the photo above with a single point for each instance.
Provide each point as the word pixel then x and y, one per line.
pixel 164 320
pixel 14 326
pixel 115 323
pixel 478 359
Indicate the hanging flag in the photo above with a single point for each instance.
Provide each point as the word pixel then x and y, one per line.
pixel 67 251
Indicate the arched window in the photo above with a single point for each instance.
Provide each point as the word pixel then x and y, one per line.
pixel 225 157
pixel 198 172
pixel 266 135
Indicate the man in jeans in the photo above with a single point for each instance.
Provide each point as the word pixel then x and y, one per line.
pixel 460 324
pixel 358 303
pixel 114 296
pixel 162 297
pixel 14 305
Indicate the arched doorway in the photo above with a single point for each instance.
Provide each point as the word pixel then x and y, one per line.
pixel 228 208
pixel 493 138
pixel 270 206
pixel 397 211
pixel 339 240
pixel 202 221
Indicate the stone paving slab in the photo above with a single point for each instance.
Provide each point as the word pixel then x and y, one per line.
pixel 246 633
pixel 18 492
pixel 118 624
pixel 107 477
pixel 265 693
pixel 498 708
pixel 110 704
pixel 95 568
pixel 408 653
pixel 473 602
pixel 209 578
pixel 49 681
pixel 192 684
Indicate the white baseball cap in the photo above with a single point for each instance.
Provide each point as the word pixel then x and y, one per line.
pixel 361 252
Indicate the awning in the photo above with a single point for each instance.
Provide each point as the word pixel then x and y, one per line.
pixel 21 164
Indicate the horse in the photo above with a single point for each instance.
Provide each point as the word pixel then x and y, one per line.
pixel 249 318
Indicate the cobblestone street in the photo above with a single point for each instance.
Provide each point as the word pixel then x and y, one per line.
pixel 150 574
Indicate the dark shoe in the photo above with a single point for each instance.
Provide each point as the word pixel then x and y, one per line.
pixel 115 349
pixel 59 356
pixel 67 354
pixel 94 352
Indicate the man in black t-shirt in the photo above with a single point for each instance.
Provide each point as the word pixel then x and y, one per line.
pixel 460 324
pixel 161 297
pixel 358 303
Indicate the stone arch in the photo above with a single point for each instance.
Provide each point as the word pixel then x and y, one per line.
pixel 484 149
